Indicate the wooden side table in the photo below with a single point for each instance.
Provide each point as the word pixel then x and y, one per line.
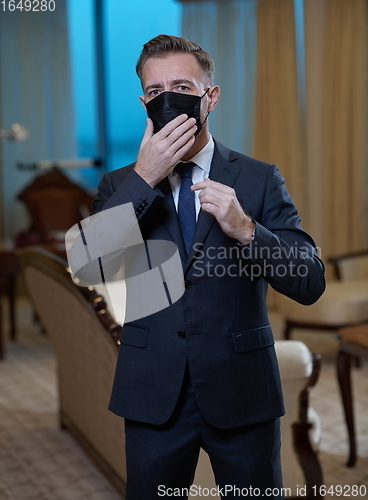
pixel 8 272
pixel 353 343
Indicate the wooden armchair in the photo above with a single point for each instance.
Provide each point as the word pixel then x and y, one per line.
pixel 353 265
pixel 343 309
pixel 344 303
pixel 54 204
pixel 8 274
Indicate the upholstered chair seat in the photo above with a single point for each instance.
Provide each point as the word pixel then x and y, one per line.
pixel 343 303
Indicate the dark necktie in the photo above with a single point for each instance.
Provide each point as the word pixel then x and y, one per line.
pixel 186 203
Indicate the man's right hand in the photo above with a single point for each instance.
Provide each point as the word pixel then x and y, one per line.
pixel 159 153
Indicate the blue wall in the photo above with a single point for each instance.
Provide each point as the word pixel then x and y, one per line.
pixel 128 28
pixel 128 25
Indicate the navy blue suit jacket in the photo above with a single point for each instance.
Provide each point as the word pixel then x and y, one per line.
pixel 228 342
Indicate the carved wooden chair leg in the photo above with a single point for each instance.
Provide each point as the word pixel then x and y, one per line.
pixel 307 457
pixel 287 331
pixel 1 326
pixel 11 300
pixel 344 378
pixel 357 362
pixel 62 423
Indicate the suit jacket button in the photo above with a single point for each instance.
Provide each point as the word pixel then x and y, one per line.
pixel 181 334
pixel 188 284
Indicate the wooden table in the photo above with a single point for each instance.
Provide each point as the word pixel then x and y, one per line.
pixel 353 344
pixel 8 272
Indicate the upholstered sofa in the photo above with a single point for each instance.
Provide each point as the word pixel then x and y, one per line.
pixel 85 340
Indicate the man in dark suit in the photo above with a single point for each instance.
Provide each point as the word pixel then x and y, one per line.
pixel 203 372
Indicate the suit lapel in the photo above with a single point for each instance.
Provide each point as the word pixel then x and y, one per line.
pixel 223 170
pixel 168 214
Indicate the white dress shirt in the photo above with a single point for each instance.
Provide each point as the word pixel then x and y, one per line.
pixel 201 171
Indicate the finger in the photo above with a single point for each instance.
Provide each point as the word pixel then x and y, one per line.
pixel 209 188
pixel 214 198
pixel 181 135
pixel 148 132
pixel 201 185
pixel 209 183
pixel 188 127
pixel 182 150
pixel 210 208
pixel 184 141
pixel 171 126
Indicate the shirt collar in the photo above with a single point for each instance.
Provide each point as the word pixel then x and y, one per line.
pixel 204 157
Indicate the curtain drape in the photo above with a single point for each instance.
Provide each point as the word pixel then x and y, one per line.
pixel 329 180
pixel 35 90
pixel 227 30
pixel 278 127
pixel 253 44
pixel 345 126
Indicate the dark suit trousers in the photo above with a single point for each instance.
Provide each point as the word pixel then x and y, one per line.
pixel 165 456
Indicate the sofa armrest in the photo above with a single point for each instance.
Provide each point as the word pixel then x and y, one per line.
pixel 295 361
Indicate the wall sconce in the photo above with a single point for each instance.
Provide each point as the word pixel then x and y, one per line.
pixel 15 133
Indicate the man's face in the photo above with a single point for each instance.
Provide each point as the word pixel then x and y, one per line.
pixel 178 72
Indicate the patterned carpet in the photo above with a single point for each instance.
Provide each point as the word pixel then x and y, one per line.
pixel 38 461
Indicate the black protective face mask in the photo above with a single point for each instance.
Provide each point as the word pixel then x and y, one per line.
pixel 168 105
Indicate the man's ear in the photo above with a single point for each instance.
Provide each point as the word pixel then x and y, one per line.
pixel 141 98
pixel 213 97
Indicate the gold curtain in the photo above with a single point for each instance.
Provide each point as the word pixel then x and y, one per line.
pixel 345 126
pixel 278 128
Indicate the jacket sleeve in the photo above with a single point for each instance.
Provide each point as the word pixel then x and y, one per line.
pixel 132 189
pixel 282 252
pixel 98 242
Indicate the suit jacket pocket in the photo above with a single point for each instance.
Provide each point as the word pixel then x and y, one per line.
pixel 250 340
pixel 134 336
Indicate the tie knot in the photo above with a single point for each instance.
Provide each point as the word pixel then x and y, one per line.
pixel 185 169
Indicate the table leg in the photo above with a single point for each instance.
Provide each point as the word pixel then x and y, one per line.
pixel 1 326
pixel 344 378
pixel 11 299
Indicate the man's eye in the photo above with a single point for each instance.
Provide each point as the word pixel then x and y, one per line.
pixel 154 92
pixel 182 88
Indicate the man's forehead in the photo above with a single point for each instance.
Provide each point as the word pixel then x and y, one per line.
pixel 173 66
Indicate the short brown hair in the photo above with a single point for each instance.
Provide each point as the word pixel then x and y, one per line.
pixel 162 45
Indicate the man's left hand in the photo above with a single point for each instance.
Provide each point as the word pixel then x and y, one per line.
pixel 221 201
